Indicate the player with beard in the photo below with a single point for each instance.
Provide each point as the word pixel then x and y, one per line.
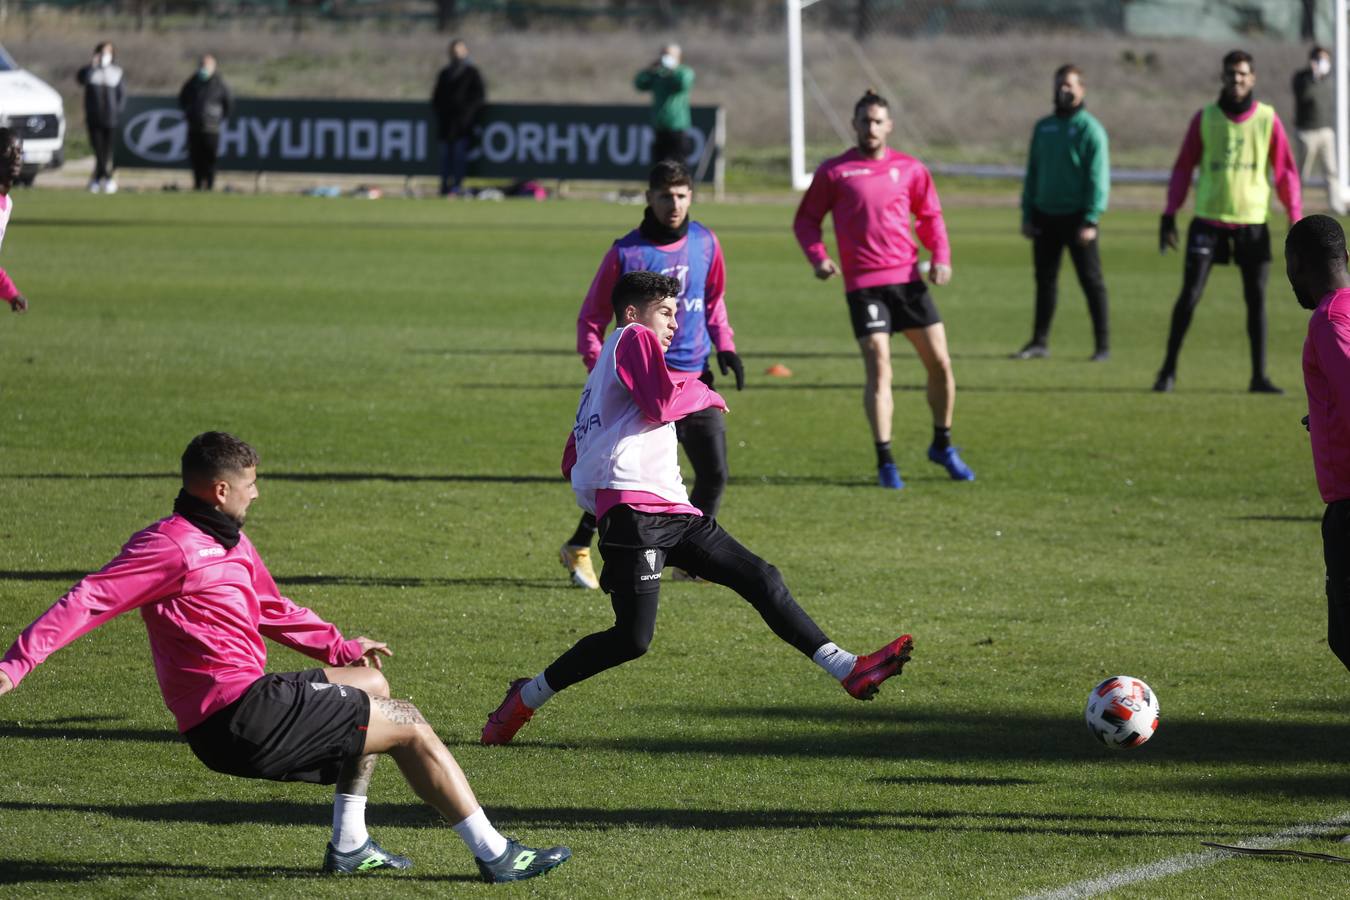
pixel 1315 262
pixel 871 191
pixel 623 465
pixel 1236 142
pixel 11 166
pixel 670 242
pixel 208 601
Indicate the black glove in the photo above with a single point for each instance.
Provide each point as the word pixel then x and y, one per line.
pixel 727 359
pixel 1167 233
pixel 1306 426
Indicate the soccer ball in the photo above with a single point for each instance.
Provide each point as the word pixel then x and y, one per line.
pixel 1122 712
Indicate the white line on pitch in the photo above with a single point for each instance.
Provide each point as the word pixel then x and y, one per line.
pixel 1184 863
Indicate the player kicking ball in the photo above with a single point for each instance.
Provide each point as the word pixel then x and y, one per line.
pixel 208 600
pixel 621 458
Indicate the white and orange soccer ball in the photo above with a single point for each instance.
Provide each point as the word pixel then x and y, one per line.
pixel 1122 712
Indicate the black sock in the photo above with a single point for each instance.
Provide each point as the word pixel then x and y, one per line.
pixel 584 533
pixel 884 454
pixel 942 437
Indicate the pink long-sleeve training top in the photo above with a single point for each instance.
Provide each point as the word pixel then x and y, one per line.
pixel 871 202
pixel 1326 376
pixel 597 310
pixel 1287 184
pixel 8 290
pixel 663 396
pixel 206 609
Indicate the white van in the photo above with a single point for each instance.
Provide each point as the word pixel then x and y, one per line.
pixel 33 108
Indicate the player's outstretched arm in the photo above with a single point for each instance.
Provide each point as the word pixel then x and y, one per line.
pixel 371 652
pixel 5 684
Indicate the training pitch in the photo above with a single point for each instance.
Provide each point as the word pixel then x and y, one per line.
pixel 407 371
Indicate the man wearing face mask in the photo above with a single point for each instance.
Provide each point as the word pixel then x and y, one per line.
pixel 1314 113
pixel 1236 143
pixel 1063 197
pixel 669 83
pixel 1315 261
pixel 105 96
pixel 206 101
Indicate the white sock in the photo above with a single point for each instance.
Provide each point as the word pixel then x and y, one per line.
pixel 537 692
pixel 480 837
pixel 833 659
pixel 349 822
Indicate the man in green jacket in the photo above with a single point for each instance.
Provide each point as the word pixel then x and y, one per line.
pixel 1063 197
pixel 670 84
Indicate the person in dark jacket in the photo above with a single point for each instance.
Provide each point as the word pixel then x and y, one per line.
pixel 206 102
pixel 457 100
pixel 105 96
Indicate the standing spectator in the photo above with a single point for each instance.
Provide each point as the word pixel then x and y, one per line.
pixel 670 84
pixel 105 96
pixel 457 100
pixel 872 192
pixel 1063 197
pixel 1314 109
pixel 206 101
pixel 1315 261
pixel 1237 143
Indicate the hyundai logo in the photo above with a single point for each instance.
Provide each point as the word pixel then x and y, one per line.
pixel 157 135
pixel 35 125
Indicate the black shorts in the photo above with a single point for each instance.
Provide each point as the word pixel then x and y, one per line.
pixel 636 546
pixel 1244 245
pixel 890 308
pixel 292 726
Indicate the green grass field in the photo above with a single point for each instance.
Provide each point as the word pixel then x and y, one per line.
pixel 406 369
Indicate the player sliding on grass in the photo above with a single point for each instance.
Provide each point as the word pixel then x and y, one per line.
pixel 208 601
pixel 621 459
pixel 11 166
pixel 668 241
pixel 871 191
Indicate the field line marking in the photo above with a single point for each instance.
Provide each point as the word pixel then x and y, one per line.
pixel 1175 865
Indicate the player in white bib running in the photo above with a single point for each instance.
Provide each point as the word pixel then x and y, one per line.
pixel 622 461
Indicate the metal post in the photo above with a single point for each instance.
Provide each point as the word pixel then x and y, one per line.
pixel 1342 100
pixel 801 180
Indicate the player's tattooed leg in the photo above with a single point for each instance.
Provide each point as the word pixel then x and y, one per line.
pixel 400 712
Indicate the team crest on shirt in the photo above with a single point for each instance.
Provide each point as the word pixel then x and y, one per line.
pixel 895 175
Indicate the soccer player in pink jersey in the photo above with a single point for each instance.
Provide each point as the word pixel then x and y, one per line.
pixel 208 601
pixel 670 242
pixel 11 166
pixel 622 462
pixel 1315 262
pixel 871 192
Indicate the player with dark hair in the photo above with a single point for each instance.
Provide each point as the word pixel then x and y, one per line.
pixel 208 601
pixel 1236 142
pixel 871 191
pixel 11 167
pixel 1315 262
pixel 621 459
pixel 1064 194
pixel 668 241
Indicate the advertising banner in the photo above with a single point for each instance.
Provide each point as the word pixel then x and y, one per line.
pixel 359 137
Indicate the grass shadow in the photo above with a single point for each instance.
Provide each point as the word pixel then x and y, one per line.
pixel 29 871
pixel 585 818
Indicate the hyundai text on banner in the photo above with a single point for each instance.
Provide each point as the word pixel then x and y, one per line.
pixel 379 138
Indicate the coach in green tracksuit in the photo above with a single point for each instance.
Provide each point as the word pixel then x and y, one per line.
pixel 1063 197
pixel 670 83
